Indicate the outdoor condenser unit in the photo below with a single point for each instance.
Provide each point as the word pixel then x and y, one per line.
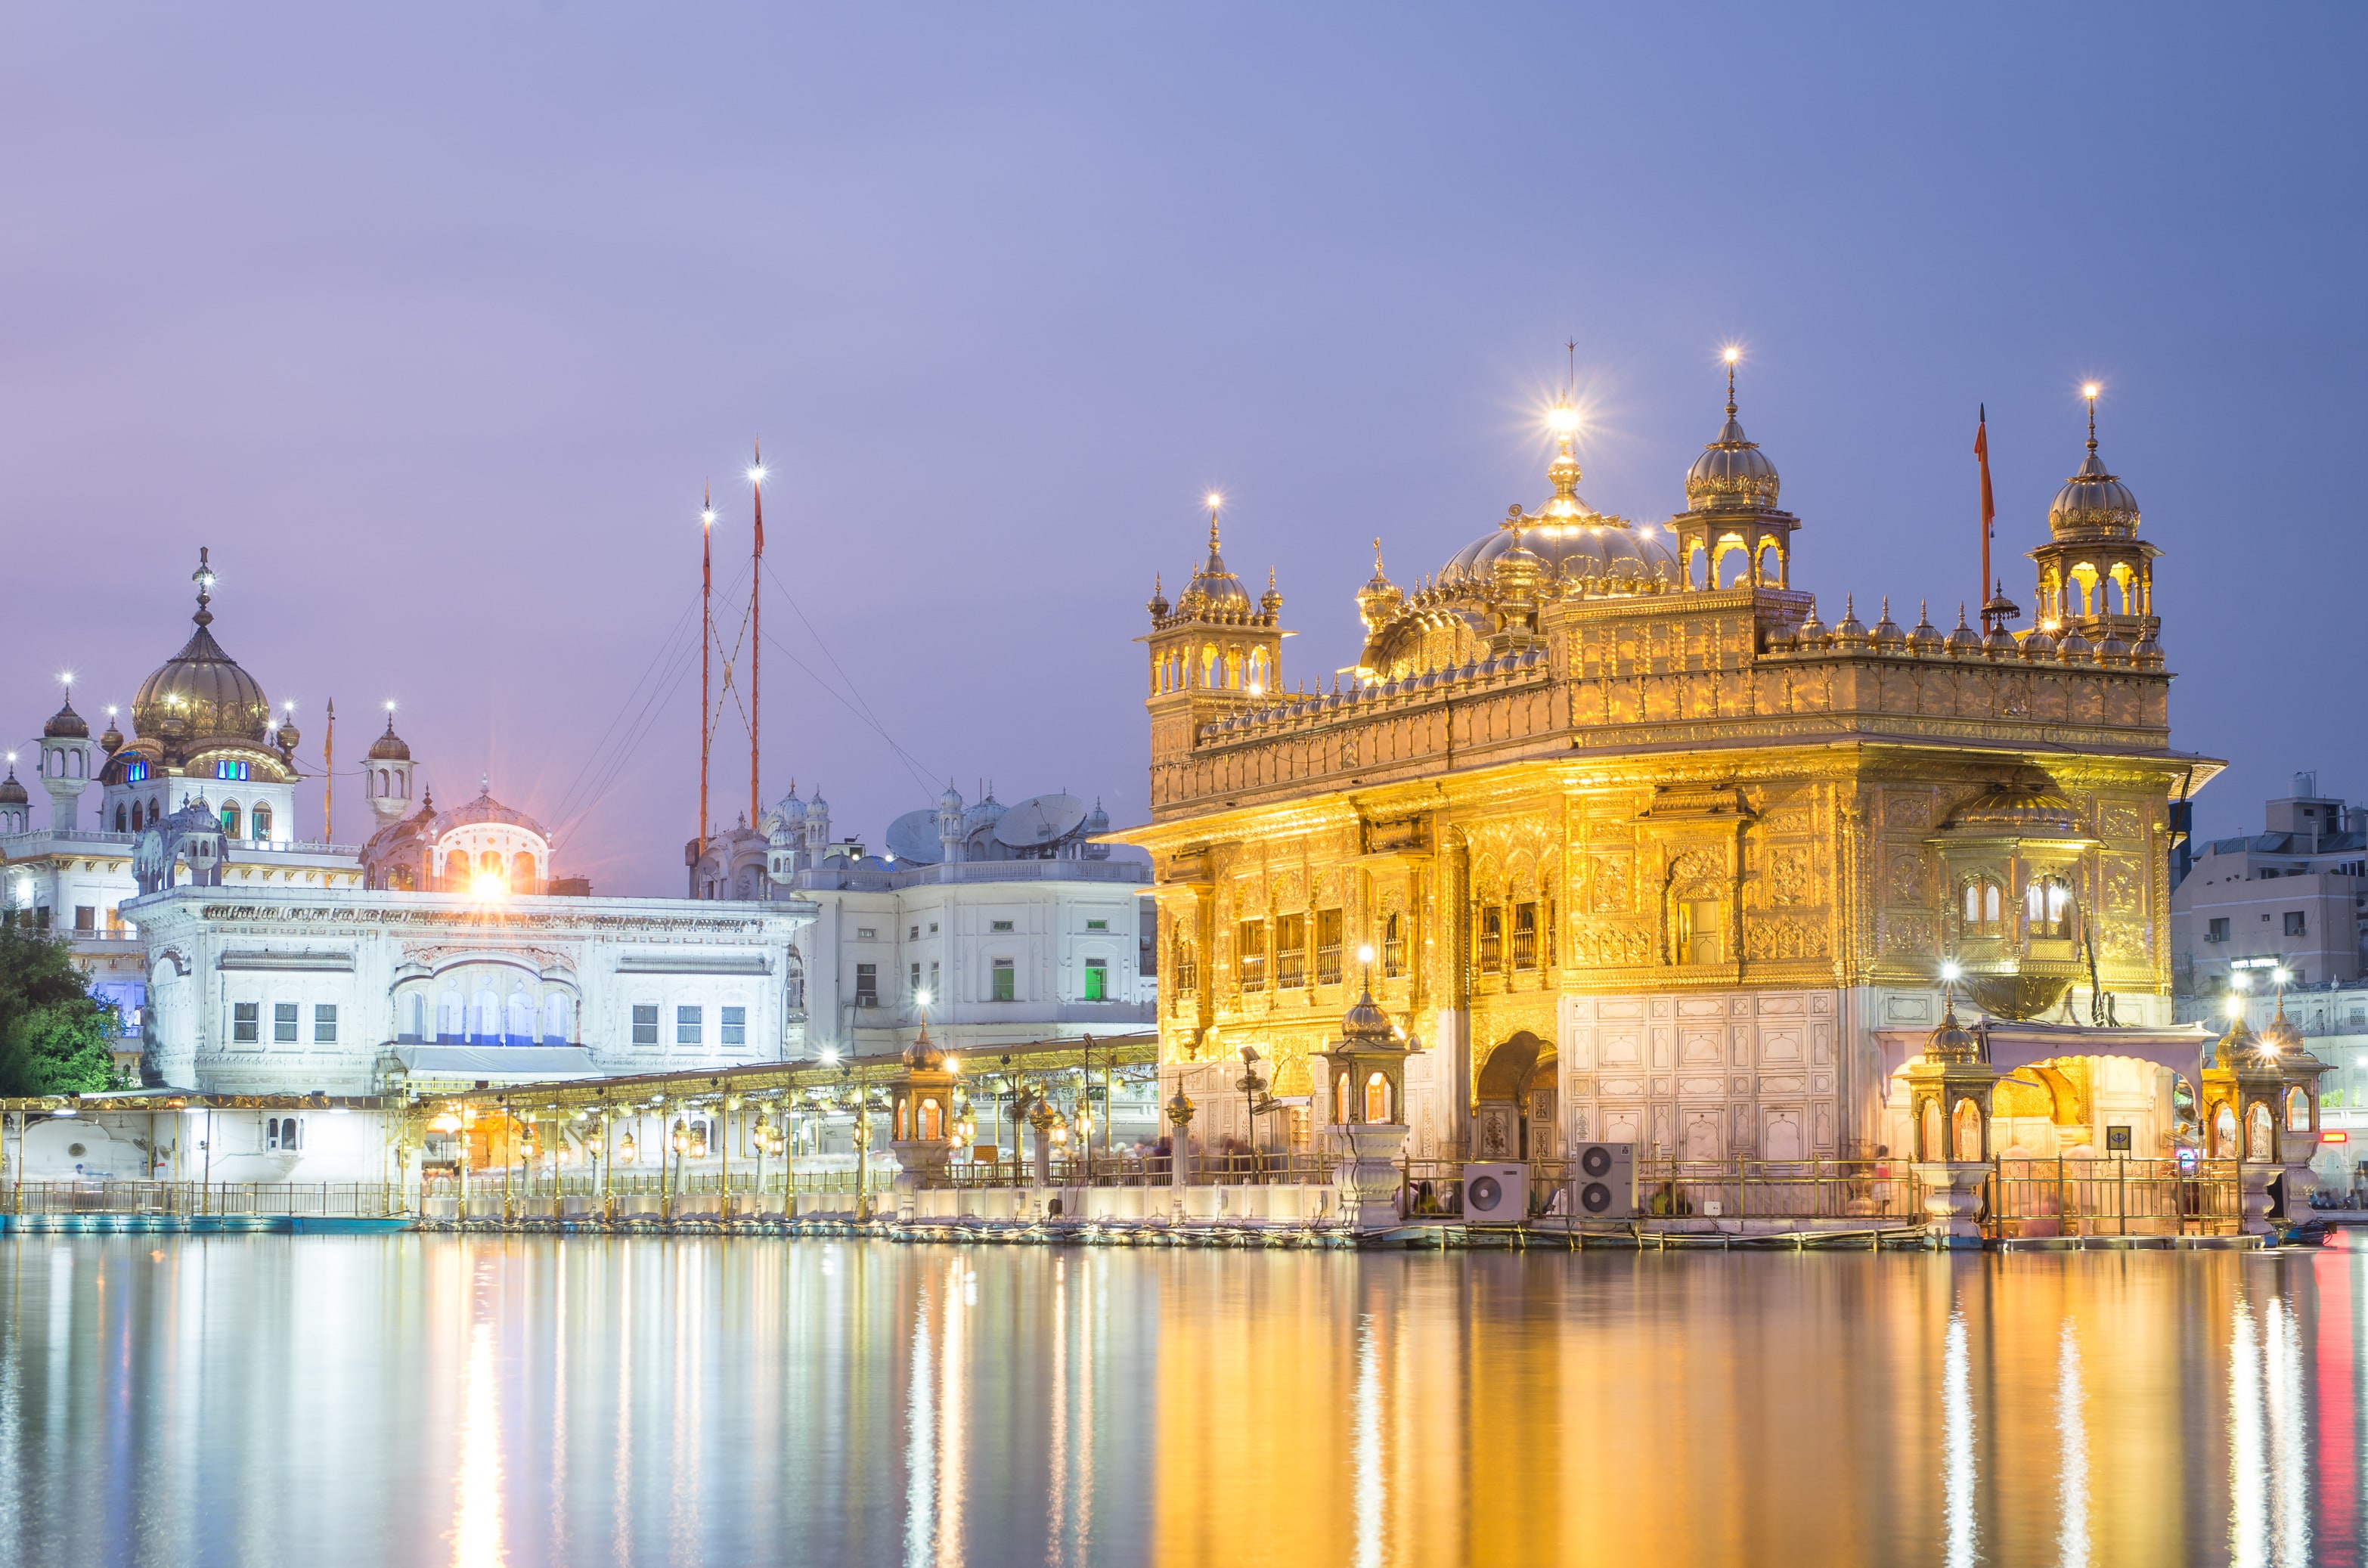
pixel 1495 1195
pixel 1603 1176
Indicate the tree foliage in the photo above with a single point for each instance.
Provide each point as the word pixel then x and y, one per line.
pixel 55 1038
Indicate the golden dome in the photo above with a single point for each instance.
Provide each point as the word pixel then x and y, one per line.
pixel 202 690
pixel 923 1055
pixel 11 792
pixel 65 725
pixel 1952 1041
pixel 1365 1024
pixel 1733 474
pixel 2093 501
pixel 389 746
pixel 2281 1037
pixel 2022 807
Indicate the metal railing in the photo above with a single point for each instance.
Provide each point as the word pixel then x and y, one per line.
pixel 311 1199
pixel 2112 1195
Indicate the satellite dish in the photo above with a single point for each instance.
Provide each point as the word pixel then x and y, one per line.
pixel 1044 820
pixel 914 836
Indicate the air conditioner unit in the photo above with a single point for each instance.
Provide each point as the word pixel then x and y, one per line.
pixel 1603 1178
pixel 1495 1195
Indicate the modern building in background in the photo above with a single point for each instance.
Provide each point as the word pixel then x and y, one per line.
pixel 1012 922
pixel 2294 896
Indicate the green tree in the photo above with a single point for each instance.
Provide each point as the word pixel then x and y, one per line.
pixel 55 1037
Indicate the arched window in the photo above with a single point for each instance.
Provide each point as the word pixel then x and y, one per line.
pixel 2260 1133
pixel 1982 907
pixel 451 1017
pixel 2048 903
pixel 490 862
pixel 135 817
pixel 2224 1133
pixel 2297 1111
pixel 1340 1100
pixel 119 818
pixel 1968 1121
pixel 558 1018
pixel 903 1110
pixel 519 1029
pixel 1377 1100
pixel 152 812
pixel 489 1018
pixel 1258 670
pixel 230 819
pixel 259 823
pixel 414 1008
pixel 1208 664
pixel 933 1121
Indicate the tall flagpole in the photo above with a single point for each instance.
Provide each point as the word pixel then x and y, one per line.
pixel 706 648
pixel 1990 511
pixel 755 635
pixel 329 778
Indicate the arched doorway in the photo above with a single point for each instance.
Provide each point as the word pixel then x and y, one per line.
pixel 1518 1117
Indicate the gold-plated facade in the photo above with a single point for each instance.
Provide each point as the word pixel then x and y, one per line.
pixel 1642 849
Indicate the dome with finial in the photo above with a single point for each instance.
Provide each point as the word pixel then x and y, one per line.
pixel 2240 1047
pixel 1811 634
pixel 288 734
pixel 200 693
pixel 1965 641
pixel 1733 474
pixel 112 741
pixel 389 746
pixel 2000 643
pixel 924 1055
pixel 1365 1024
pixel 1926 637
pixel 2281 1037
pixel 2074 649
pixel 12 793
pixel 1214 590
pixel 1886 635
pixel 65 725
pixel 1849 631
pixel 1952 1042
pixel 1157 605
pixel 1270 602
pixel 2093 501
pixel 1578 549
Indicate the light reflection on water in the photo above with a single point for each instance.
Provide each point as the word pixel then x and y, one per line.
pixel 481 1400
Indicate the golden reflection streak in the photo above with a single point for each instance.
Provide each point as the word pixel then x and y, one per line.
pixel 2247 1488
pixel 1056 1502
pixel 622 1475
pixel 1957 1445
pixel 1366 1452
pixel 920 1439
pixel 477 1529
pixel 953 1413
pixel 2071 1453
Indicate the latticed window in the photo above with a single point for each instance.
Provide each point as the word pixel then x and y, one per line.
pixel 1328 947
pixel 1525 936
pixel 1249 954
pixel 1982 907
pixel 2048 903
pixel 1188 968
pixel 1492 941
pixel 1290 951
pixel 1394 947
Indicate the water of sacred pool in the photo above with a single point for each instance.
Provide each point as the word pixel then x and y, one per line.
pixel 483 1400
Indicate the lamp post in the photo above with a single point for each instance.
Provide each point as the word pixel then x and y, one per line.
pixel 1256 1101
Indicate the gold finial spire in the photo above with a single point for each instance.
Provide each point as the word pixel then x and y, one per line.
pixel 1732 355
pixel 204 578
pixel 1377 555
pixel 2091 391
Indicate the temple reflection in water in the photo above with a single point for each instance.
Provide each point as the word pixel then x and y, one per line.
pixel 516 1400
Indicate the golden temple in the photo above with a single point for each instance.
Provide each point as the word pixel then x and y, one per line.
pixel 1642 848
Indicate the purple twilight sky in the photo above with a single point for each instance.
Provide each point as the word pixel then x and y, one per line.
pixel 432 320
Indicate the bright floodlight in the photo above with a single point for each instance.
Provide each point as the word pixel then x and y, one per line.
pixel 922 997
pixel 2090 391
pixel 1733 353
pixel 1365 953
pixel 1563 419
pixel 487 884
pixel 757 473
pixel 389 704
pixel 1215 500
pixel 2278 975
pixel 707 519
pixel 1950 972
pixel 67 676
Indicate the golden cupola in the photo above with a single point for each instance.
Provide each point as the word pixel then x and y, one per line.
pixel 2095 576
pixel 1379 599
pixel 201 694
pixel 1731 534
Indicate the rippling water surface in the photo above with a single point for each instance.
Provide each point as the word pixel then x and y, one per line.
pixel 478 1401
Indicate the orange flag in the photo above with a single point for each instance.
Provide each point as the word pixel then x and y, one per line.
pixel 1989 508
